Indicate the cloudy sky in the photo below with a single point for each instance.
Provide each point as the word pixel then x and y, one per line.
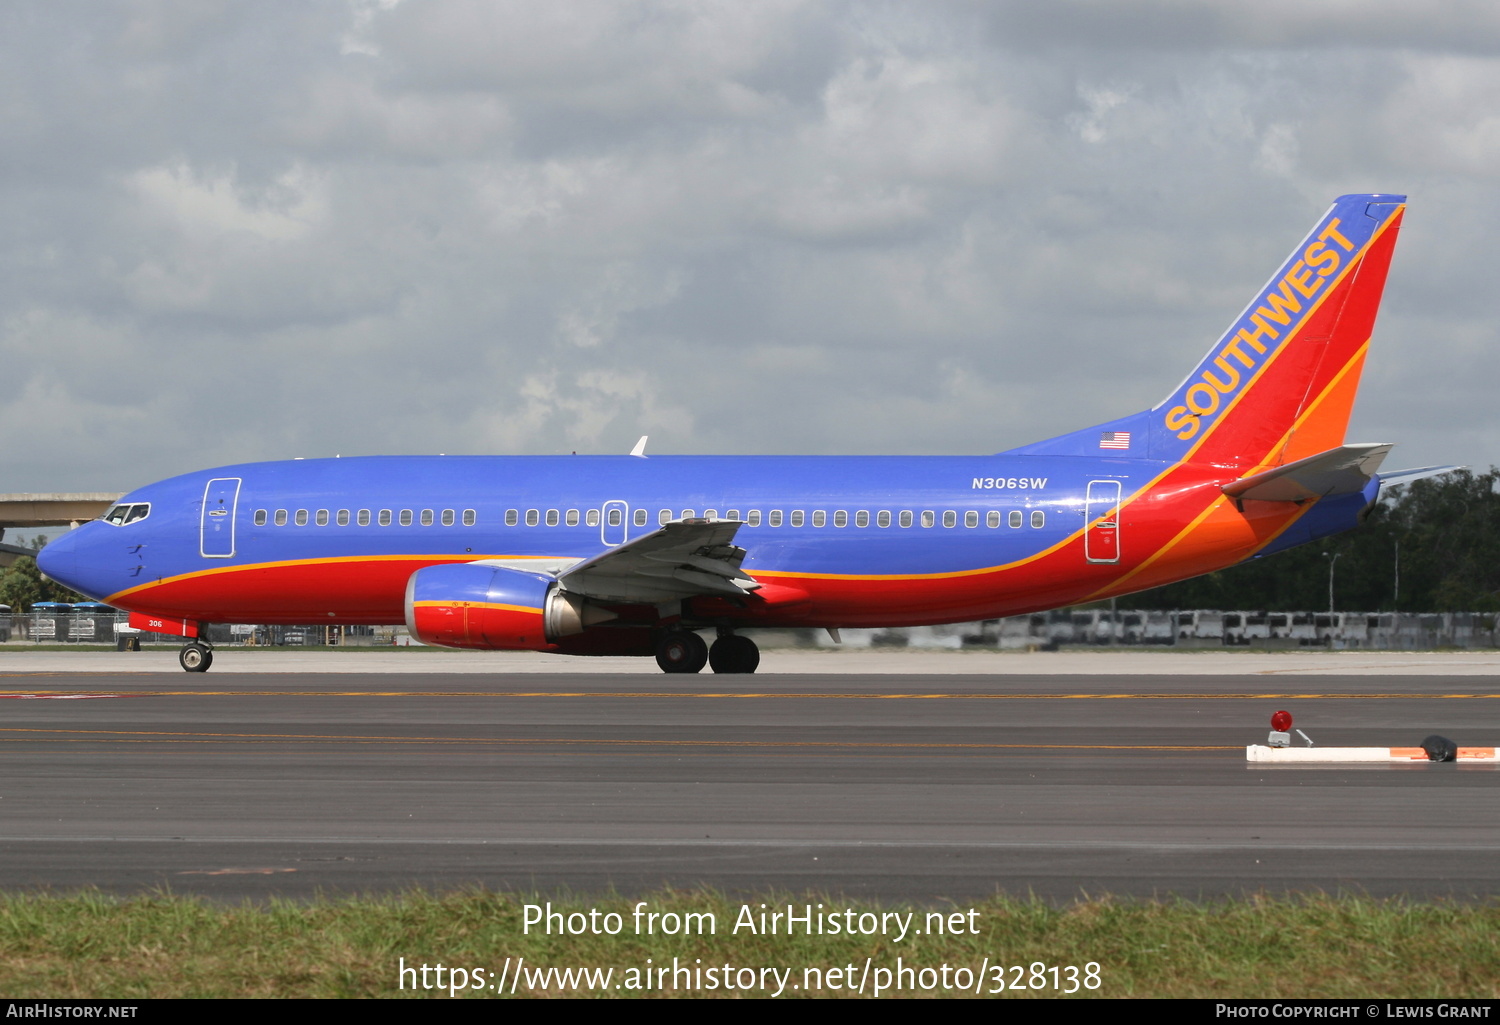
pixel 236 231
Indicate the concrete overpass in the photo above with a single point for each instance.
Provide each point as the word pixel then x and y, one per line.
pixel 48 509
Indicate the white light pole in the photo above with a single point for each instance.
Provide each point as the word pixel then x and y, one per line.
pixel 1331 560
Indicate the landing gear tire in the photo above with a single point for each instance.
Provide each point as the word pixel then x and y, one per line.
pixel 681 652
pixel 734 654
pixel 196 658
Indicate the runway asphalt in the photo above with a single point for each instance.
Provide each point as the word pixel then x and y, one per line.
pixel 896 784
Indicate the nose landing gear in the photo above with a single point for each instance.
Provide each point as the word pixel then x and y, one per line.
pixel 196 657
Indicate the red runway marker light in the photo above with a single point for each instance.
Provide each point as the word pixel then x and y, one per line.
pixel 1281 721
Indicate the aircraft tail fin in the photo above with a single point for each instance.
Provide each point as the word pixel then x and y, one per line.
pixel 1279 386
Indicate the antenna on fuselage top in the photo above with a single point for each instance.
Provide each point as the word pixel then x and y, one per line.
pixel 640 447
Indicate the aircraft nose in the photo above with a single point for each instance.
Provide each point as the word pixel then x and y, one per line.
pixel 59 560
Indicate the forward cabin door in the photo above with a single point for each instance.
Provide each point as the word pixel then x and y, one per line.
pixel 1101 539
pixel 216 523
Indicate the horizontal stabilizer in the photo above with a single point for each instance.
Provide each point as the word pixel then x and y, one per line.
pixel 683 559
pixel 1390 480
pixel 1339 471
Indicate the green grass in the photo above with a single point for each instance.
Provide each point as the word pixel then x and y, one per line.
pixel 94 946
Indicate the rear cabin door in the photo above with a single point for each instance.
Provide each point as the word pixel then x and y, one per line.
pixel 1101 539
pixel 613 527
pixel 216 524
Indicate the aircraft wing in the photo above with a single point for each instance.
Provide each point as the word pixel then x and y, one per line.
pixel 1339 471
pixel 682 559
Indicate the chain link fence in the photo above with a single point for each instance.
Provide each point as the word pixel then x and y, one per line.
pixel 1193 628
pixel 113 629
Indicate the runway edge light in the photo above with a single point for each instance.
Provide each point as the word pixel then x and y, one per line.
pixel 1281 721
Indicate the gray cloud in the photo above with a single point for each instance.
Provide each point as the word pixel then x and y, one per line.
pixel 234 232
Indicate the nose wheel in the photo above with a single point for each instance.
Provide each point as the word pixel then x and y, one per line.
pixel 195 657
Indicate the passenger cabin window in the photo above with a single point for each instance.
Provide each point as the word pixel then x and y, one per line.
pixel 971 518
pixel 363 518
pixel 322 518
pixel 774 519
pixel 533 517
pixel 615 516
pixel 572 518
pixel 883 518
pixel 841 518
pixel 733 514
pixel 385 518
pixel 752 518
pixel 260 517
pixel 820 518
pixel 343 517
pixel 929 518
pixel 710 514
pixel 950 518
pixel 406 517
pixel 796 517
pixel 552 517
pixel 663 516
pixel 281 517
pixel 301 517
pixel 641 516
pixel 862 519
pixel 449 517
pixel 992 518
pixel 512 517
pixel 1038 518
pixel 592 518
pixel 1015 518
pixel 427 517
pixel 906 517
pixel 471 517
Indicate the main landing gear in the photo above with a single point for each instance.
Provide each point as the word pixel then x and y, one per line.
pixel 682 651
pixel 734 654
pixel 196 657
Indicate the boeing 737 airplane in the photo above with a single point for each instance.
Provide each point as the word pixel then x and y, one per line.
pixel 630 555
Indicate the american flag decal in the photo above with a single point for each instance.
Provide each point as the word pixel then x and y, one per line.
pixel 1114 439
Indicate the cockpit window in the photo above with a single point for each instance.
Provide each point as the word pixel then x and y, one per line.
pixel 119 515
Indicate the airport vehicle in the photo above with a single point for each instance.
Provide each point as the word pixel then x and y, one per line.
pixel 632 554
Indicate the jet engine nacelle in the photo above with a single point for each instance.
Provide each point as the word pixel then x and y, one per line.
pixel 493 608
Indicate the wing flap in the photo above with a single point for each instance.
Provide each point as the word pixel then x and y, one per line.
pixel 682 559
